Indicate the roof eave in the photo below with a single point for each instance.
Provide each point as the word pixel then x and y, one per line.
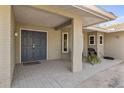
pixel 95 29
pixel 102 14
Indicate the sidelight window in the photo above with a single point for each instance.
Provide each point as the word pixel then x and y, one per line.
pixel 101 39
pixel 91 39
pixel 64 42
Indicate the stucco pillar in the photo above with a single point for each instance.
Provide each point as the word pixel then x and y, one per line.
pixel 77 45
pixel 5 79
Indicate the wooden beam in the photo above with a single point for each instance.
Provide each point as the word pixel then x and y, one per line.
pixel 63 24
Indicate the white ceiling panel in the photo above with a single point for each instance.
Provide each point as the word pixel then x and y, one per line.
pixel 29 15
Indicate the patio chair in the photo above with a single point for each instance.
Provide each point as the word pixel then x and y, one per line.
pixel 91 51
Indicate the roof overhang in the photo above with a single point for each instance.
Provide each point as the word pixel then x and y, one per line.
pixel 92 28
pixel 99 15
pixel 106 30
pixel 91 15
pixel 52 15
pixel 96 11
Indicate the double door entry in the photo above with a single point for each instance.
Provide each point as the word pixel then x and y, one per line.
pixel 33 46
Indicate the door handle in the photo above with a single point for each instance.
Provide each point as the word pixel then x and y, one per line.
pixel 33 46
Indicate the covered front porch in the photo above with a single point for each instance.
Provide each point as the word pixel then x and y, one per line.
pixel 64 45
pixel 56 74
pixel 47 40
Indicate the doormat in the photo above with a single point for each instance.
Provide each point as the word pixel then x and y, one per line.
pixel 32 63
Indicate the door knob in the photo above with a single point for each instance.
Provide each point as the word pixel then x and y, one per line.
pixel 33 46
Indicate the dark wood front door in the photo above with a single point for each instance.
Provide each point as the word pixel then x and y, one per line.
pixel 33 45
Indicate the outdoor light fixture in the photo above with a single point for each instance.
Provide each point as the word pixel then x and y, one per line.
pixel 16 34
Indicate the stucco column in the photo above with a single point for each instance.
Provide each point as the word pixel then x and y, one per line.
pixel 5 78
pixel 77 45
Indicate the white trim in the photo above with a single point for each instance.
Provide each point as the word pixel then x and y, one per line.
pixel 31 30
pixel 86 10
pixel 102 40
pixel 94 39
pixel 100 13
pixel 63 42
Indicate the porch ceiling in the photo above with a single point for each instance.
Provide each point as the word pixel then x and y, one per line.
pixel 91 15
pixel 29 15
pixel 37 16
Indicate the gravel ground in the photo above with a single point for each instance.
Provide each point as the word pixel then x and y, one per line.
pixel 110 78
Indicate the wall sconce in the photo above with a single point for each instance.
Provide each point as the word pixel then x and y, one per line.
pixel 16 34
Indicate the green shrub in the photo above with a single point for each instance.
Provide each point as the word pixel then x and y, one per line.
pixel 93 59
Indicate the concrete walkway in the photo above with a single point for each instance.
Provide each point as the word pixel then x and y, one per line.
pixel 110 78
pixel 56 74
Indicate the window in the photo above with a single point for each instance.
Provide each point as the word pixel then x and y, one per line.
pixel 91 39
pixel 65 42
pixel 101 39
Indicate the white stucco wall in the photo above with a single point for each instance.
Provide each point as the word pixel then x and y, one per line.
pixel 100 48
pixel 67 56
pixel 13 56
pixel 7 57
pixel 114 45
pixel 86 42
